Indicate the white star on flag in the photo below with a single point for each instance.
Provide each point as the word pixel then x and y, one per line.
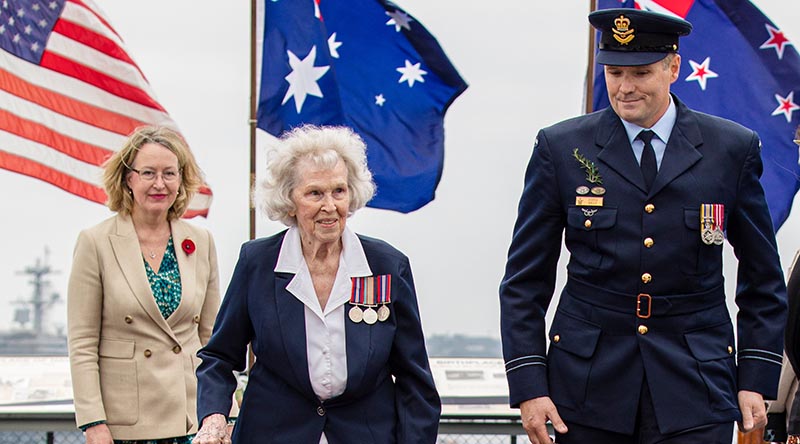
pixel 786 106
pixel 380 100
pixel 776 40
pixel 333 46
pixel 303 78
pixel 411 73
pixel 701 72
pixel 399 19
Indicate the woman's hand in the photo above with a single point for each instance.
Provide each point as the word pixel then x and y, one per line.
pixel 99 434
pixel 213 431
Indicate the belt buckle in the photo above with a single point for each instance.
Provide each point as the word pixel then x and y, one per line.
pixel 648 310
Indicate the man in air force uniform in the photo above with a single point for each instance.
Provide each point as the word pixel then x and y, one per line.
pixel 642 347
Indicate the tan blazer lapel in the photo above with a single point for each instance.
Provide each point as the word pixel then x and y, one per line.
pixel 187 264
pixel 129 257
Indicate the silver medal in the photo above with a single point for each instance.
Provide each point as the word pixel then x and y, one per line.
pixel 355 314
pixel 370 316
pixel 383 313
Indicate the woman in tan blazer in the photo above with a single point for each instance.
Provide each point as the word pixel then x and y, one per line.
pixel 143 295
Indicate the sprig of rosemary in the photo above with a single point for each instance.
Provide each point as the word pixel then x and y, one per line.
pixel 592 174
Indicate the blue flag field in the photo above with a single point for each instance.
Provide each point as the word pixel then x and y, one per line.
pixel 368 65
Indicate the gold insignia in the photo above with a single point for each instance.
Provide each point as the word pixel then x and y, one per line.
pixel 622 31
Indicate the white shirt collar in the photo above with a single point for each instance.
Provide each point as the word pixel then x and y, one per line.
pixel 290 258
pixel 352 263
pixel 662 128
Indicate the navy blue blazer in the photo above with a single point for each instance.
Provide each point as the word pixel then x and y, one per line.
pixel 390 396
pixel 681 343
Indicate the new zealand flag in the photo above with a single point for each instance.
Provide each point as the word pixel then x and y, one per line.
pixel 737 64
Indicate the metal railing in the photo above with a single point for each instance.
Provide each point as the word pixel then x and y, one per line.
pixel 59 428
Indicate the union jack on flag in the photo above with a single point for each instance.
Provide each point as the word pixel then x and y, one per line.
pixel 739 65
pixel 69 95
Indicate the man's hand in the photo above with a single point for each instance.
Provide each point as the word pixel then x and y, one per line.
pixel 754 412
pixel 535 413
pixel 99 434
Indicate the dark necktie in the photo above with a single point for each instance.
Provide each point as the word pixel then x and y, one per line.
pixel 648 163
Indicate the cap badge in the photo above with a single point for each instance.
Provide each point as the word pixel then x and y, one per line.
pixel 622 31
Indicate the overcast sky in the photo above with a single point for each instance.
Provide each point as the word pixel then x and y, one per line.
pixel 525 62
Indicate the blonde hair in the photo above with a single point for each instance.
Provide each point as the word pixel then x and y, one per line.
pixel 118 166
pixel 324 146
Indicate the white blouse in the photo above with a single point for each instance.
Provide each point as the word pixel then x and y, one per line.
pixel 325 333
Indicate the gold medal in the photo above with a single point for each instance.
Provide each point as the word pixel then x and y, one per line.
pixel 370 316
pixel 355 314
pixel 383 313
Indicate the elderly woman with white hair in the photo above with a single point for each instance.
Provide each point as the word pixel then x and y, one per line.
pixel 332 316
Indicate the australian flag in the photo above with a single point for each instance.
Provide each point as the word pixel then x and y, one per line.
pixel 368 65
pixel 737 64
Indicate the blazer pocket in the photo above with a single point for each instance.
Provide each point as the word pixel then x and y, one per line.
pixel 573 342
pixel 116 348
pixel 700 258
pixel 713 349
pixel 119 386
pixel 590 236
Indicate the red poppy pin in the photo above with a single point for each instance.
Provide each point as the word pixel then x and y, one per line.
pixel 188 246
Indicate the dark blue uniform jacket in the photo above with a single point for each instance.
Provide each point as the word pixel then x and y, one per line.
pixel 638 242
pixel 390 395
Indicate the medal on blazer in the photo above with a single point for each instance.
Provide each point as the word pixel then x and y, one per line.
pixel 712 217
pixel 370 292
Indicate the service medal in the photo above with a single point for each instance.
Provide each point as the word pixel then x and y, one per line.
pixel 719 218
pixel 370 316
pixel 582 190
pixel 355 314
pixel 712 217
pixel 719 238
pixel 383 313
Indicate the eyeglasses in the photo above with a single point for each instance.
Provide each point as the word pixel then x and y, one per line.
pixel 149 175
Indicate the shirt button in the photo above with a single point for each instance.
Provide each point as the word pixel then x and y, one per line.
pixel 588 223
pixel 649 208
pixel 128 319
pixel 147 353
pixel 648 242
pixel 647 277
pixel 196 319
pixel 642 329
pixel 321 411
pixel 176 349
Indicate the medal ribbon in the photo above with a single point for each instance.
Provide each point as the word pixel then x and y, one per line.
pixel 719 215
pixel 371 290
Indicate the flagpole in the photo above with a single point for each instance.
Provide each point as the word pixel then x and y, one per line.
pixel 252 120
pixel 590 68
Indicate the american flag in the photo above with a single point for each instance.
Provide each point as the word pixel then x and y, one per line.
pixel 369 65
pixel 739 65
pixel 69 95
